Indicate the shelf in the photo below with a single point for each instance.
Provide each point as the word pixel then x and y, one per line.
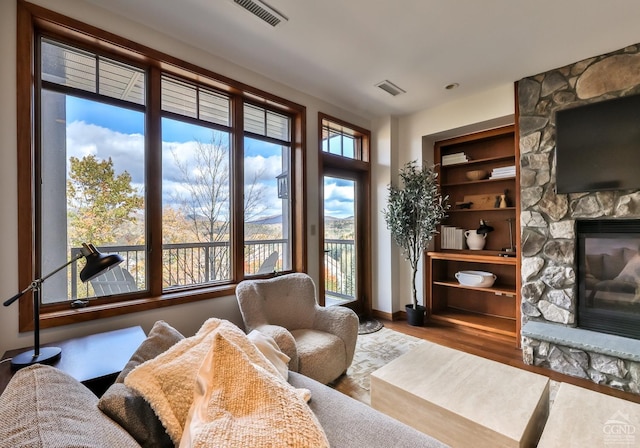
pixel 467 210
pixel 479 161
pixel 497 290
pixel 476 182
pixel 492 324
pixel 478 256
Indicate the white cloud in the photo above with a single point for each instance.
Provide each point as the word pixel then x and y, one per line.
pixel 126 150
pixel 127 153
pixel 338 200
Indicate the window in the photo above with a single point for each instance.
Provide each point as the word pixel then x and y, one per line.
pixel 342 140
pixel 267 210
pixel 196 185
pixel 91 166
pixel 196 181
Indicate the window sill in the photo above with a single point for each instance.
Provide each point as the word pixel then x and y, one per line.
pixel 99 311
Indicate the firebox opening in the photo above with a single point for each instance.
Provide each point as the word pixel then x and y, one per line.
pixel 608 259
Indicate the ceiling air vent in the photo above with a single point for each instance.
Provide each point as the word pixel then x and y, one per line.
pixel 390 88
pixel 262 11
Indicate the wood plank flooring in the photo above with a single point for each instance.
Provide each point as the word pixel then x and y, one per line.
pixel 496 348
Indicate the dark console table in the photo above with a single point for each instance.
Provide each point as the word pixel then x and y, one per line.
pixel 94 360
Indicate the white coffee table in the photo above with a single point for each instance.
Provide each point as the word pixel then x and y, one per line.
pixel 462 399
pixel 583 418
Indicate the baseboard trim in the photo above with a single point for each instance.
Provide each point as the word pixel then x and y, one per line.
pixel 398 315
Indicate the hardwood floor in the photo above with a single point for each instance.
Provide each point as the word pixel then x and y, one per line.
pixel 501 349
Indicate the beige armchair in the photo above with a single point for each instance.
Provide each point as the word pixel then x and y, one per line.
pixel 320 341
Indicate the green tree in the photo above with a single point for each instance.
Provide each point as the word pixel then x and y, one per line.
pixel 101 204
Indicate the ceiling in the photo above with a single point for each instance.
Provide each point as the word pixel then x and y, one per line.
pixel 338 50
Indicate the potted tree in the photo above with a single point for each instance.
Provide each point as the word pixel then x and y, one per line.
pixel 414 210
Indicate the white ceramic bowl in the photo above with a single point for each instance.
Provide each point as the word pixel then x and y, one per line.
pixel 479 279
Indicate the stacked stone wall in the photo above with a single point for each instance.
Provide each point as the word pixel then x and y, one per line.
pixel 548 219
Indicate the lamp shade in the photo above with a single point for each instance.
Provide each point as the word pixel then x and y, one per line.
pixel 97 263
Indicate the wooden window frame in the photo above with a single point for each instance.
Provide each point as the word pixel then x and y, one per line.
pixel 336 164
pixel 33 21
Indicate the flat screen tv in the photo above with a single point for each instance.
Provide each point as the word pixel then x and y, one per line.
pixel 598 146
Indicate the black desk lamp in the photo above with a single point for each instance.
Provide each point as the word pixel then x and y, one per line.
pixel 97 263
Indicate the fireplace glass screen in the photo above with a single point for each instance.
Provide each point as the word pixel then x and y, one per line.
pixel 608 255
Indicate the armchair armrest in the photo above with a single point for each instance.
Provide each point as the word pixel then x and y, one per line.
pixel 341 321
pixel 285 342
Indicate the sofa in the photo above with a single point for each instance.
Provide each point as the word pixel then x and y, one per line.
pixel 166 396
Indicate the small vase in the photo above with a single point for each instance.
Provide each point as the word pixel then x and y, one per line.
pixel 475 241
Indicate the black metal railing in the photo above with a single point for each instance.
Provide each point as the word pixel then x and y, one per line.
pixel 340 269
pixel 187 264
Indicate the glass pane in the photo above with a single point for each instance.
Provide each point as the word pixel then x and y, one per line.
pixel 196 204
pixel 340 141
pixel 261 121
pixel 254 119
pixel 214 108
pixel 67 66
pixel 92 191
pixel 179 97
pixel 278 126
pixel 348 146
pixel 339 240
pixel 335 143
pixel 267 210
pixel 121 81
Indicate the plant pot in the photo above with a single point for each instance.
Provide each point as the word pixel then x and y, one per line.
pixel 415 316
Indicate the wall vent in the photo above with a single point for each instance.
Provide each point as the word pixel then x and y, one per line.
pixel 390 88
pixel 262 11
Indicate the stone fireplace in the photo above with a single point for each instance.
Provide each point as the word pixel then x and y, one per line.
pixel 551 336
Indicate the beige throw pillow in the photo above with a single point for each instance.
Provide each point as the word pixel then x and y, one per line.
pixel 269 348
pixel 128 408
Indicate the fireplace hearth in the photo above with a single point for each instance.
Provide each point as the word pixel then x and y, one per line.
pixel 608 261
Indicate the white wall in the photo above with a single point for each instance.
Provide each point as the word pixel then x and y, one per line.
pixel 384 134
pixel 186 318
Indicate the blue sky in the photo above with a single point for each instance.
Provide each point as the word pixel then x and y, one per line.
pixel 104 130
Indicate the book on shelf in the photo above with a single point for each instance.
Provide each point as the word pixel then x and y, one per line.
pixel 451 237
pixel 451 159
pixel 505 171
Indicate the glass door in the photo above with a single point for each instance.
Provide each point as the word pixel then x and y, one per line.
pixel 341 249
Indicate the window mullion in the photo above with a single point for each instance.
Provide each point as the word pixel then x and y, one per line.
pixel 237 180
pixel 153 177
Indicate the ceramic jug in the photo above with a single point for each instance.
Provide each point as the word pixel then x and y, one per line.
pixel 475 241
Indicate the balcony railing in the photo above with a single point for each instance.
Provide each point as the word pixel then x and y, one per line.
pixel 340 270
pixel 187 264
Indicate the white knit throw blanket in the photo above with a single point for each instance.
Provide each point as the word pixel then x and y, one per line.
pixel 219 390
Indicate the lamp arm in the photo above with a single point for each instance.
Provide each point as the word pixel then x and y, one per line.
pixel 36 283
pixel 76 258
pixel 17 296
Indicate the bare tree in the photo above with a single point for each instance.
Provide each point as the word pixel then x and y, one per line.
pixel 206 203
pixel 206 179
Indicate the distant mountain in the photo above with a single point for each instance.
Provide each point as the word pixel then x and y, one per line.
pixel 276 219
pixel 331 218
